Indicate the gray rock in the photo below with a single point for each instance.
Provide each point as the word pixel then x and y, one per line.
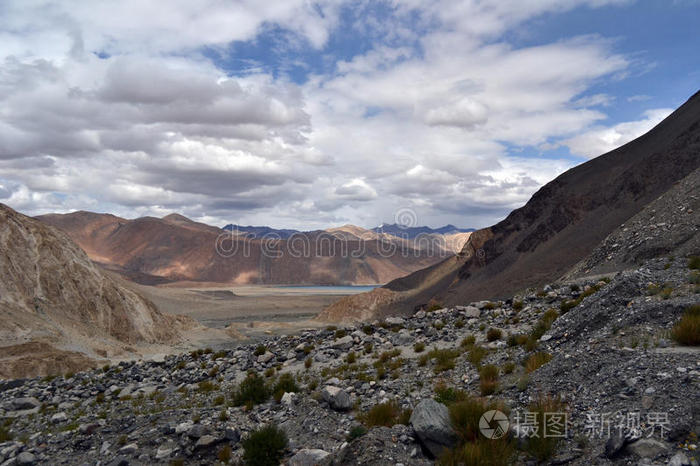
pixel 197 431
pixel 613 446
pixel 59 417
pixel 337 398
pixel 308 457
pixel 679 459
pixel 647 448
pixel 264 358
pixel 431 422
pixel 472 312
pixel 165 450
pixel 342 343
pixel 206 441
pixel 25 459
pixel 25 403
pixel 129 449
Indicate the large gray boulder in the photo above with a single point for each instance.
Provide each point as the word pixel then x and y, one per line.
pixel 431 422
pixel 309 457
pixel 25 403
pixel 647 448
pixel 338 398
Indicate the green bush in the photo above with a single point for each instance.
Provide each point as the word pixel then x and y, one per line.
pixel 468 341
pixel 448 395
pixel 694 263
pixel 385 414
pixel 285 384
pixel 508 367
pixel 687 330
pixel 260 350
pixel 494 334
pixel 340 333
pixel 265 446
pixel 251 391
pixel 517 306
pixel 356 432
pixel 419 347
pixel 351 358
pixel 483 452
pixel 444 359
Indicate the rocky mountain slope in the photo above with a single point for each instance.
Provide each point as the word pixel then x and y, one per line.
pixel 150 250
pixel 58 311
pixel 400 391
pixel 558 227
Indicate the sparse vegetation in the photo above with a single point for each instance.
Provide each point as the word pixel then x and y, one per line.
pixel 251 391
pixel 493 334
pixel 265 446
pixel 444 359
pixel 308 362
pixel 542 447
pixel 260 350
pixel 536 361
pixel 468 341
pixel 517 306
pixel 224 454
pixel 385 414
pixel 476 355
pixel 687 330
pixel 285 384
pixel 488 379
pixel 356 432
pixel 448 395
pixel 419 347
pixel 694 263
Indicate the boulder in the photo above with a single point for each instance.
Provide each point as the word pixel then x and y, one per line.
pixel 25 459
pixel 647 448
pixel 25 403
pixel 343 343
pixel 431 422
pixel 308 457
pixel 337 398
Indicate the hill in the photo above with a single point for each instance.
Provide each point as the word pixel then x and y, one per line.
pixel 558 227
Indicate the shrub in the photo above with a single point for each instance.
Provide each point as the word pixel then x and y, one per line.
pixel 459 323
pixel 439 325
pixel 687 330
pixel 356 432
pixel 476 355
pixel 444 359
pixel 694 263
pixel 351 358
pixel 423 360
pixel 265 446
pixel 488 379
pixel 308 362
pixel 491 305
pixel 517 306
pixel 468 341
pixel 369 347
pixel 388 355
pixel 666 292
pixel 251 391
pixel 260 350
pixel 494 334
pixel 5 434
pixel 448 395
pixel 540 446
pixel 536 361
pixel 224 455
pixel 368 329
pixel 207 386
pixel 483 452
pixel 523 382
pixel 340 333
pixel 219 354
pixel 508 367
pixel 385 414
pixel 285 384
pixel 419 347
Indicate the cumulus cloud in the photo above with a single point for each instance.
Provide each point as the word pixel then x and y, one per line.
pixel 600 140
pixel 117 107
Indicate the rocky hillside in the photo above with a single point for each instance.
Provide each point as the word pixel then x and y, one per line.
pixel 561 225
pixel 150 250
pixel 601 354
pixel 58 311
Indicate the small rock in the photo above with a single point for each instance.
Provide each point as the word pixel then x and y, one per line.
pixel 59 417
pixel 647 448
pixel 679 459
pixel 129 449
pixel 206 441
pixel 25 403
pixel 25 459
pixel 337 398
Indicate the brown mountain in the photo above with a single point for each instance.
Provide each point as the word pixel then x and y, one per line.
pixel 151 250
pixel 58 311
pixel 559 226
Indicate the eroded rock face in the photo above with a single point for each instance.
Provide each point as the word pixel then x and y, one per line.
pixel 431 422
pixel 52 293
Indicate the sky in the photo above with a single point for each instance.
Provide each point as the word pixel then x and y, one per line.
pixel 309 114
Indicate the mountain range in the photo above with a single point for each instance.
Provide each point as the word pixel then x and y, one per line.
pixel 563 223
pixel 152 250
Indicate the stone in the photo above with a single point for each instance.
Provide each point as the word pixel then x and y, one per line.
pixel 25 403
pixel 118 461
pixel 206 441
pixel 197 431
pixel 679 459
pixel 25 459
pixel 647 448
pixel 614 445
pixel 420 314
pixel 337 398
pixel 431 422
pixel 308 457
pixel 472 312
pixel 59 417
pixel 394 321
pixel 287 399
pixel 266 357
pixel 343 343
pixel 129 449
pixel 165 450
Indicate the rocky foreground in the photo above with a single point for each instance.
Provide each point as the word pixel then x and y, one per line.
pixel 598 353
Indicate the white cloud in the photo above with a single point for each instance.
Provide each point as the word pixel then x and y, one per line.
pixel 600 140
pixel 154 127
